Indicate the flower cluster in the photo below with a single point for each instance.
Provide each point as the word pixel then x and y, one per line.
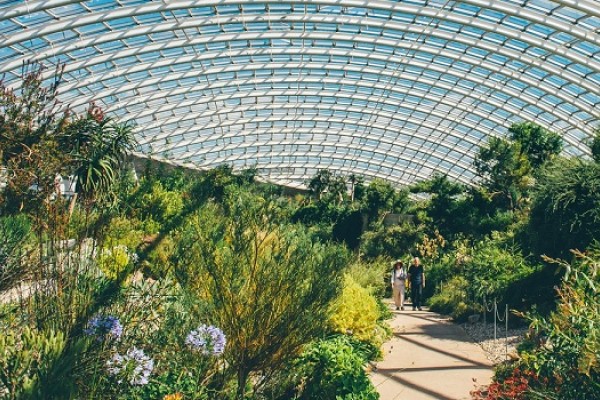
pixel 514 387
pixel 104 327
pixel 135 366
pixel 174 396
pixel 207 340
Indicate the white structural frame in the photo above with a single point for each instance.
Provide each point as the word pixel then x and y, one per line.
pixel 393 89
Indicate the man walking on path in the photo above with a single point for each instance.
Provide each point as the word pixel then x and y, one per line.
pixel 416 276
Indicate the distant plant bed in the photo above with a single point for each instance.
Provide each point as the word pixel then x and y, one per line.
pixel 561 357
pixel 470 275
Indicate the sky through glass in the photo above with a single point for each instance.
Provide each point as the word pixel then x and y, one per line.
pixel 391 89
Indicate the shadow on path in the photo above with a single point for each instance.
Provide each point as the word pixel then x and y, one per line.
pixel 429 358
pixel 444 352
pixel 419 388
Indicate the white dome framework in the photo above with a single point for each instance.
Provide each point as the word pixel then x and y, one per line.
pixel 392 89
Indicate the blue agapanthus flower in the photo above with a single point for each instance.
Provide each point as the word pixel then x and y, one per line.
pixel 134 367
pixel 104 327
pixel 208 340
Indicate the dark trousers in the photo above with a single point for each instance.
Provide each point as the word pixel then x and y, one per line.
pixel 416 291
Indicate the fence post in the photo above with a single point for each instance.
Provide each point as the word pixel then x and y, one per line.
pixel 506 332
pixel 484 314
pixel 495 319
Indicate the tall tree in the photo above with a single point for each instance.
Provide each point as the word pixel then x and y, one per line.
pixel 443 202
pixel 30 122
pixel 319 183
pixel 505 171
pixel 378 197
pixel 595 145
pixel 536 142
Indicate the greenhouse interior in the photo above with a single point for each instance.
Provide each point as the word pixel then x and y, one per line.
pixel 300 199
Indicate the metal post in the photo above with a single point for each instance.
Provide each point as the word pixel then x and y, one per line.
pixel 506 331
pixel 484 314
pixel 495 319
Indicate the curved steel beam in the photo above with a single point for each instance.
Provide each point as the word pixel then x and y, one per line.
pixel 333 93
pixel 446 69
pixel 394 150
pixel 246 86
pixel 313 35
pixel 431 12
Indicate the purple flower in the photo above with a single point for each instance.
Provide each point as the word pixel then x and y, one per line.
pixel 207 340
pixel 135 366
pixel 104 327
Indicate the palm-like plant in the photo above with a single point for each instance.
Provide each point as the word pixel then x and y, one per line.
pixel 98 146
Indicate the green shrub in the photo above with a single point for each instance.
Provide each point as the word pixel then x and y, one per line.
pixel 153 201
pixel 36 365
pixel 159 263
pixel 123 231
pixel 332 369
pixel 395 241
pixel 565 213
pixel 14 233
pixel 566 352
pixel 489 269
pixel 113 261
pixel 452 300
pixel 373 276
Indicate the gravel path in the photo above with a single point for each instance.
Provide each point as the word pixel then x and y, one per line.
pixel 501 349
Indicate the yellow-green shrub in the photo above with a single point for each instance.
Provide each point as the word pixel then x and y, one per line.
pixel 356 312
pixel 113 261
pixel 123 231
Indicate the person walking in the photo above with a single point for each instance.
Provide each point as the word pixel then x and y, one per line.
pixel 399 276
pixel 416 276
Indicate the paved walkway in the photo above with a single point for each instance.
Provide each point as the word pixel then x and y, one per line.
pixel 429 358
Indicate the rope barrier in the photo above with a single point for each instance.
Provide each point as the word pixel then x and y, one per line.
pixel 493 308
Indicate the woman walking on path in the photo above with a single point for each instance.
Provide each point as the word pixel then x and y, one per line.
pixel 416 275
pixel 399 275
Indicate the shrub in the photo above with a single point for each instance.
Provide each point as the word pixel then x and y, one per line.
pixel 153 201
pixel 356 313
pixel 373 276
pixel 489 269
pixel 123 231
pixel 567 350
pixel 38 364
pixel 332 369
pixel 565 213
pixel 269 285
pixel 113 261
pixel 561 358
pixel 519 385
pixel 452 300
pixel 395 241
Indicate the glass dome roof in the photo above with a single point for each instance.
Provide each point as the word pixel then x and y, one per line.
pixel 390 89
